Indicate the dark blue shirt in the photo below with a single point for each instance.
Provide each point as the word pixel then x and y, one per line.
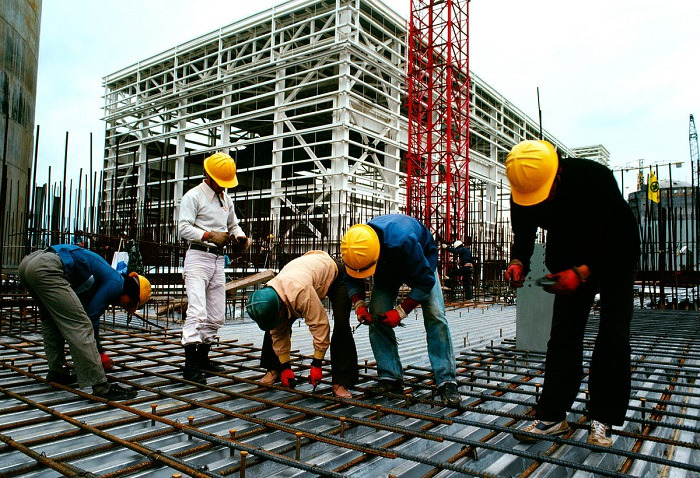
pixel 463 253
pixel 92 278
pixel 408 255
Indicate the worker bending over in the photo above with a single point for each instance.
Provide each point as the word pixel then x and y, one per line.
pixel 73 287
pixel 208 222
pixel 397 249
pixel 592 246
pixel 294 293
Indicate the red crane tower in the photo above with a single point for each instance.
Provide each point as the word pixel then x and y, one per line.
pixel 438 116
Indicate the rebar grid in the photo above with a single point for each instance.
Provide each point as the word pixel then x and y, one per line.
pixel 198 430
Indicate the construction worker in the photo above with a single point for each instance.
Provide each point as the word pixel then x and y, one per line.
pixel 297 292
pixel 592 246
pixel 466 265
pixel 208 222
pixel 397 249
pixel 74 286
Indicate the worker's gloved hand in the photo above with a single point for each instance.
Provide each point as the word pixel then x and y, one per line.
pixel 107 362
pixel 514 274
pixel 568 280
pixel 220 239
pixel 393 317
pixel 443 245
pixel 390 318
pixel 316 373
pixel 240 244
pixel 360 306
pixel 287 376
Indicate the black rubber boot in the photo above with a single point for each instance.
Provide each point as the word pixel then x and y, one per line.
pixel 192 371
pixel 205 364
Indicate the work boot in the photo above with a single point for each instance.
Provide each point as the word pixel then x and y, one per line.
pixel 449 393
pixel 539 427
pixel 270 377
pixel 65 376
pixel 384 386
pixel 191 371
pixel 600 434
pixel 114 392
pixel 205 364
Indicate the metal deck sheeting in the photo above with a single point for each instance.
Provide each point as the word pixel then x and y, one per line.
pixel 232 426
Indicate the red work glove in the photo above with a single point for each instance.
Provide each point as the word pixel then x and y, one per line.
pixel 514 274
pixel 316 373
pixel 360 306
pixel 107 363
pixel 392 318
pixel 287 376
pixel 568 280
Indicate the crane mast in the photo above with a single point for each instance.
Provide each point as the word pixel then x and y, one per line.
pixel 438 116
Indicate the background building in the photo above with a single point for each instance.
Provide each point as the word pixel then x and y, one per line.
pixel 309 98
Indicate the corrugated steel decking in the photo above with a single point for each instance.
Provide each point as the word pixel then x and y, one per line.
pixel 178 427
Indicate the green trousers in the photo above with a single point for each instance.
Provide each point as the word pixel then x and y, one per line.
pixel 63 318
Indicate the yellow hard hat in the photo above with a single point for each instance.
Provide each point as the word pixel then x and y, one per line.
pixel 222 168
pixel 531 167
pixel 360 250
pixel 144 289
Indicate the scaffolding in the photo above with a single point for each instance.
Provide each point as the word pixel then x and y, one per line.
pixel 309 99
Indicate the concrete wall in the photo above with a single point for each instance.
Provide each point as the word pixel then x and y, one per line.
pixel 19 55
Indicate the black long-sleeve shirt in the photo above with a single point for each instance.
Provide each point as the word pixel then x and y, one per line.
pixel 587 222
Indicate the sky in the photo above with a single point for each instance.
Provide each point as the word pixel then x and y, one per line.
pixel 624 74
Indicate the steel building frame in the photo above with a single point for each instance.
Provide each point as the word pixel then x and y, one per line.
pixel 309 98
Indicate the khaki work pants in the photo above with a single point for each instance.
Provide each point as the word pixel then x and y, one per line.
pixel 63 318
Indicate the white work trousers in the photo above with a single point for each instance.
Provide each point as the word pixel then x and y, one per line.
pixel 206 296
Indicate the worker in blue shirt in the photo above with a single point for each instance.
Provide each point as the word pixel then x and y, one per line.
pixel 397 249
pixel 73 287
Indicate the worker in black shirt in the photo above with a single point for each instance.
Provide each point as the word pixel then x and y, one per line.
pixel 592 246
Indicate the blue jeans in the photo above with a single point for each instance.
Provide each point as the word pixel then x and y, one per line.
pixel 383 338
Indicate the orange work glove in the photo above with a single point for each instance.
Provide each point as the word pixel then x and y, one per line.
pixel 514 274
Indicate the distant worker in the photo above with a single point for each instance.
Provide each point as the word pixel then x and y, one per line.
pixel 466 265
pixel 592 246
pixel 73 287
pixel 208 221
pixel 78 238
pixel 296 292
pixel 397 249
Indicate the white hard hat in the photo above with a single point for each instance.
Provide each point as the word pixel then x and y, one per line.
pixel 457 243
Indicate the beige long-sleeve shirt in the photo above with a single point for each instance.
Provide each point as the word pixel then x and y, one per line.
pixel 201 211
pixel 301 285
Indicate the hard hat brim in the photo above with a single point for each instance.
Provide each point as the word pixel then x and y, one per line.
pixel 363 274
pixel 533 197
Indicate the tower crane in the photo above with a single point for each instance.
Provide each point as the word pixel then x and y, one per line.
pixel 438 116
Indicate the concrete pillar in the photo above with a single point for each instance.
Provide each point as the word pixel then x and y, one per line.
pixel 533 312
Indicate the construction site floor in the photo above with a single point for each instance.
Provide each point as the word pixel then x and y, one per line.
pixel 233 426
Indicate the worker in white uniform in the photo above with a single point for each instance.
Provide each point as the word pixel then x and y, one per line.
pixel 208 222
